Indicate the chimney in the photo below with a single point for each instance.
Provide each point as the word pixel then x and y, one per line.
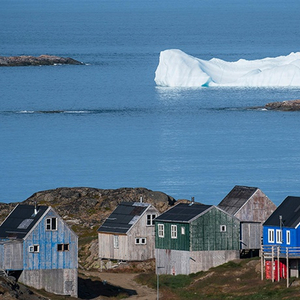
pixel 141 199
pixel 35 209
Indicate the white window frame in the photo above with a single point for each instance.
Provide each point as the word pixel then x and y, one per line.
pixel 51 224
pixel 161 230
pixel 278 236
pixel 116 242
pixel 288 237
pixel 182 230
pixel 150 218
pixel 34 248
pixel 223 228
pixel 173 231
pixel 141 241
pixel 271 235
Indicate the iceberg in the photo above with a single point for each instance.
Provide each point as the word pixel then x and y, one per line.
pixel 178 69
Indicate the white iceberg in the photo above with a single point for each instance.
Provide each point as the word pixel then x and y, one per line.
pixel 178 69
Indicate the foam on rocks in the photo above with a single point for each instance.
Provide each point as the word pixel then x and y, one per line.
pixel 178 69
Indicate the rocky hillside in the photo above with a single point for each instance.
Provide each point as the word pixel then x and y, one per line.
pixel 85 209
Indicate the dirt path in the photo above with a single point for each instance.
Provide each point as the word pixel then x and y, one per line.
pixel 126 281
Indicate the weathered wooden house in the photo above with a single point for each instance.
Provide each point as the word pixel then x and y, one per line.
pixel 281 239
pixel 38 247
pixel 252 207
pixel 194 237
pixel 128 233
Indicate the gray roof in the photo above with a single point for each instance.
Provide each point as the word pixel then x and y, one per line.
pixel 20 221
pixel 183 212
pixel 236 198
pixel 123 217
pixel 289 209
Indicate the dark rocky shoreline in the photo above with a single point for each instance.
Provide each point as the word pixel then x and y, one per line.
pixel 42 60
pixel 289 105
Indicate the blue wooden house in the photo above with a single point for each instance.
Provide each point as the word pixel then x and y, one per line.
pixel 195 237
pixel 281 236
pixel 38 247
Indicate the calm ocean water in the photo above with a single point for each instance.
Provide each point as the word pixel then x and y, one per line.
pixel 117 129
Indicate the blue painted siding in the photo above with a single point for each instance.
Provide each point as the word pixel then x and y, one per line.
pixel 294 236
pixel 48 257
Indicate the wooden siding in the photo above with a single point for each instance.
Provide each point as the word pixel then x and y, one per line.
pixel 207 236
pixel 107 249
pixel 204 260
pixel 174 262
pixel 257 209
pixel 11 255
pixel 182 242
pixel 48 257
pixel 57 281
pixel 294 236
pixel 128 250
pixel 142 230
pixel 251 235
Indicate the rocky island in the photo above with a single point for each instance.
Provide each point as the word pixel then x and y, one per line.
pixel 289 105
pixel 42 60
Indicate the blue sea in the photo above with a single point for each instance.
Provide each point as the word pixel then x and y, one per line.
pixel 105 124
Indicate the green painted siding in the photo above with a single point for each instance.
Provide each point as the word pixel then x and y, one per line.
pixel 206 232
pixel 182 242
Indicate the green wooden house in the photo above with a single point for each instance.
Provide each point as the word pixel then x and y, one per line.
pixel 195 237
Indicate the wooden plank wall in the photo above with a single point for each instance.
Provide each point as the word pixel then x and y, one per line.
pixel 48 257
pixel 206 234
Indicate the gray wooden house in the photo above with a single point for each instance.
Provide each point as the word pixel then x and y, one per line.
pixel 252 207
pixel 38 247
pixel 128 233
pixel 195 237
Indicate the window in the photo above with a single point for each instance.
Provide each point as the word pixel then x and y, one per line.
pixel 62 247
pixel 51 224
pixel 278 236
pixel 150 219
pixel 173 231
pixel 271 235
pixel 161 230
pixel 183 230
pixel 288 237
pixel 140 241
pixel 223 228
pixel 34 248
pixel 116 241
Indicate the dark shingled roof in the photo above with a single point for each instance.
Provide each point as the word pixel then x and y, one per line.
pixel 289 209
pixel 20 221
pixel 183 212
pixel 236 198
pixel 123 217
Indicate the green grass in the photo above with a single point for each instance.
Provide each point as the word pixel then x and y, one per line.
pixel 232 281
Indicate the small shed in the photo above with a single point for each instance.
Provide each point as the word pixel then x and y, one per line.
pixel 195 237
pixel 39 248
pixel 128 233
pixel 252 207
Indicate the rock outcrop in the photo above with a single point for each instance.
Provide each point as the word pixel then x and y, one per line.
pixel 89 207
pixel 24 60
pixel 289 105
pixel 10 289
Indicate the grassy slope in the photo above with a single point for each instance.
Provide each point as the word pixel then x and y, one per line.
pixel 234 280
